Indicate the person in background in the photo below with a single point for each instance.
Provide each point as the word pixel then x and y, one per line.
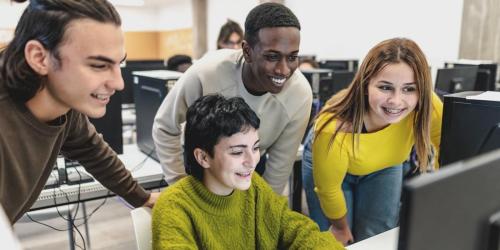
pixel 230 36
pixel 222 203
pixel 363 135
pixel 264 74
pixel 308 63
pixel 61 67
pixel 179 63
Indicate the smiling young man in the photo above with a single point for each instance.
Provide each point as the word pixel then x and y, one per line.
pixel 222 204
pixel 264 74
pixel 61 66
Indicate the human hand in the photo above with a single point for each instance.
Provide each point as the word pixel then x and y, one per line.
pixel 343 235
pixel 152 200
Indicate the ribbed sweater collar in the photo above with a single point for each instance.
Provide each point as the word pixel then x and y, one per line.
pixel 210 202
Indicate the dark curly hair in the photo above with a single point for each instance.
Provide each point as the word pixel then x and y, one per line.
pixel 45 21
pixel 210 118
pixel 268 15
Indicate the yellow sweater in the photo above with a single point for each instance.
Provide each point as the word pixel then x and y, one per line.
pixel 378 150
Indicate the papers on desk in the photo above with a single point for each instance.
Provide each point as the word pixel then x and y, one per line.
pixel 486 96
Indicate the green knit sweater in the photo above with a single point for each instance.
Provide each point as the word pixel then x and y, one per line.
pixel 188 216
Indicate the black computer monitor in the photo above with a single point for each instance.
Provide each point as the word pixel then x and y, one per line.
pixel 137 65
pixel 470 127
pixel 151 88
pixel 486 75
pixel 343 65
pixel 454 80
pixel 110 125
pixel 456 208
pixel 325 82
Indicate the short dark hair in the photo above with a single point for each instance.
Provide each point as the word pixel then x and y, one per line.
pixel 210 118
pixel 226 30
pixel 268 15
pixel 45 21
pixel 174 61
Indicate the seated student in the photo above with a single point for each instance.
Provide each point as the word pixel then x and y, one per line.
pixel 179 63
pixel 364 134
pixel 222 204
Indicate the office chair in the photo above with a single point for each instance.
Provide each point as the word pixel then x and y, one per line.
pixel 141 218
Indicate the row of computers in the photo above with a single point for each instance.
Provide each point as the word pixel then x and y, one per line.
pixel 465 192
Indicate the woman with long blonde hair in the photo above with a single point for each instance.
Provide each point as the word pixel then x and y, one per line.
pixel 363 135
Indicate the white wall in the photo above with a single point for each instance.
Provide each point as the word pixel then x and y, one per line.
pixel 348 29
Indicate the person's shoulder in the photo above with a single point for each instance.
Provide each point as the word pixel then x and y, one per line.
pixel 298 85
pixel 217 57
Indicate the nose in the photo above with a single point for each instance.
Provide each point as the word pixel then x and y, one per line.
pixel 251 159
pixel 116 80
pixel 282 67
pixel 395 97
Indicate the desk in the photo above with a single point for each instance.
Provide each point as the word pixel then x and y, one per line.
pixel 385 241
pixel 145 170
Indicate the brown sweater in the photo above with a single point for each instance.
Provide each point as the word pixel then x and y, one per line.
pixel 29 148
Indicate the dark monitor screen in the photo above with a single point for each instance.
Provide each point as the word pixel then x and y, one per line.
pixel 469 127
pixel 110 125
pixel 347 65
pixel 340 80
pixel 456 208
pixel 486 75
pixel 149 93
pixel 137 65
pixel 454 80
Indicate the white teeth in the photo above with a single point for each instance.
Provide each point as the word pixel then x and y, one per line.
pixel 278 80
pixel 244 174
pixel 100 97
pixel 393 111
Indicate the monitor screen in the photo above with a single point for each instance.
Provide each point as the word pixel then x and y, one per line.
pixel 340 80
pixel 486 75
pixel 454 80
pixel 137 65
pixel 348 65
pixel 469 127
pixel 456 208
pixel 150 89
pixel 110 125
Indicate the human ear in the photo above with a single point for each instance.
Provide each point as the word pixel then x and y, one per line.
pixel 37 57
pixel 201 157
pixel 246 51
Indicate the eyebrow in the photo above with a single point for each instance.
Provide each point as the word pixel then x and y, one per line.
pixel 106 59
pixel 243 145
pixel 406 84
pixel 279 52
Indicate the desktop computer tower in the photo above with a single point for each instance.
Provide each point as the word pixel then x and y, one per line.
pixel 150 88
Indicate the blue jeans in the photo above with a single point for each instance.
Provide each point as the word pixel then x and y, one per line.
pixel 372 200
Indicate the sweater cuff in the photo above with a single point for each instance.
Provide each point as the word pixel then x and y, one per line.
pixel 137 197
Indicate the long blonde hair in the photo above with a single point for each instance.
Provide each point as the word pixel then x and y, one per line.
pixel 351 104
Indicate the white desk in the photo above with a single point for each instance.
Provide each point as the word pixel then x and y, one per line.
pixel 384 241
pixel 144 169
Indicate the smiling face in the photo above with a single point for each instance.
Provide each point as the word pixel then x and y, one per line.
pixel 233 163
pixel 392 95
pixel 88 71
pixel 272 60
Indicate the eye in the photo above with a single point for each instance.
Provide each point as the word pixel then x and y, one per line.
pixel 99 66
pixel 385 87
pixel 236 153
pixel 292 58
pixel 256 148
pixel 272 57
pixel 409 89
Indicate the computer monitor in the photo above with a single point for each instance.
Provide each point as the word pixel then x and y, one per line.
pixel 325 82
pixel 151 87
pixel 110 125
pixel 470 127
pixel 456 208
pixel 486 75
pixel 454 80
pixel 137 65
pixel 344 65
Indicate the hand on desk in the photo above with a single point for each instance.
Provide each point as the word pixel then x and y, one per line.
pixel 152 199
pixel 341 231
